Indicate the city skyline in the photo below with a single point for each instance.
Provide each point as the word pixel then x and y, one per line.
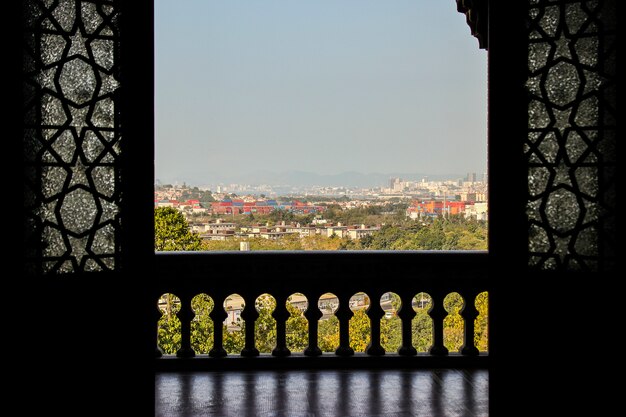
pixel 304 180
pixel 278 86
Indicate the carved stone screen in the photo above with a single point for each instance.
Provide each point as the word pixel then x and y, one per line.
pixel 71 135
pixel 571 135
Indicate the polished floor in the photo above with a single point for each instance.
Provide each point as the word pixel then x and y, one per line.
pixel 332 393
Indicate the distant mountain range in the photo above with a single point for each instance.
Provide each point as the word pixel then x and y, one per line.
pixel 308 179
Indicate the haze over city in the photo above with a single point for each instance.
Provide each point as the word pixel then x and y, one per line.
pixel 254 90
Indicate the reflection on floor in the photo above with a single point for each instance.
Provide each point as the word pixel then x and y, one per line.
pixel 332 393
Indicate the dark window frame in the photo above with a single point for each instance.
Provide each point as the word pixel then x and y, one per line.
pixel 501 87
pixel 402 265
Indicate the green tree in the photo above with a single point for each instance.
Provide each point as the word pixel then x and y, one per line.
pixel 171 231
pixel 391 333
pixel 206 197
pixel 168 326
pixel 220 245
pixel 234 340
pixel 278 215
pixel 481 324
pixel 359 330
pixel 391 327
pixel 388 237
pixel 297 328
pixel 265 324
pixel 319 242
pixel 328 334
pixel 453 323
pixel 422 327
pixel 202 324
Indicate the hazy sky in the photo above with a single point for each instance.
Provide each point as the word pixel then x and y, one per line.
pixel 321 85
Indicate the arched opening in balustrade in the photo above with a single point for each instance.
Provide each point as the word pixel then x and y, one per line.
pixel 202 324
pixel 360 326
pixel 328 326
pixel 168 326
pixel 297 326
pixel 390 324
pixel 481 323
pixel 265 324
pixel 234 327
pixel 453 324
pixel 422 323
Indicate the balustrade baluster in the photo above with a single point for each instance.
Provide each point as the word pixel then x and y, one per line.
pixel 218 315
pixel 344 314
pixel 406 314
pixel 437 313
pixel 249 315
pixel 320 306
pixel 469 314
pixel 185 315
pixel 313 314
pixel 281 315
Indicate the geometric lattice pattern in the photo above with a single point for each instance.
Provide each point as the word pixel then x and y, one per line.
pixel 71 135
pixel 571 135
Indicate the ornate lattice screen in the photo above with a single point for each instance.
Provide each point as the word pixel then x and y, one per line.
pixel 571 135
pixel 71 135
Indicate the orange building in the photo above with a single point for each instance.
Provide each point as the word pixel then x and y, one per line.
pixel 434 208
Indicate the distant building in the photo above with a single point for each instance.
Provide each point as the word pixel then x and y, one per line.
pixel 254 229
pixel 218 230
pixel 467 196
pixel 191 206
pixel 396 185
pixel 339 230
pixel 478 211
pixel 361 231
pixel 434 208
pixel 219 227
pixel 273 235
pixel 166 203
pixel 319 220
